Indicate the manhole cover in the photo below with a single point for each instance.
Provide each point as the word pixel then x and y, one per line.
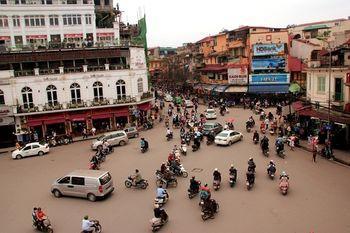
pixel 197 170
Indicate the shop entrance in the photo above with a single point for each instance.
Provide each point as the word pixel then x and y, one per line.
pixel 39 130
pixel 78 127
pixel 101 125
pixel 122 121
pixel 59 128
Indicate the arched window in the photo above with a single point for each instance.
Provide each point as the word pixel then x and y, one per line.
pixel 140 85
pixel 2 97
pixel 121 94
pixel 27 96
pixel 98 91
pixel 51 92
pixel 75 93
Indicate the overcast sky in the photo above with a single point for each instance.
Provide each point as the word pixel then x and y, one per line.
pixel 171 23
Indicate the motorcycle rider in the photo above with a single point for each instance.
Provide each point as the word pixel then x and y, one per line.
pixel 233 172
pixel 250 176
pixel 163 168
pixel 251 164
pixel 40 217
pixel 136 178
pixel 284 175
pixel 175 166
pixel 87 225
pixel 256 136
pixel 205 193
pixel 161 193
pixel 182 131
pixel 279 145
pixel 194 185
pixel 264 143
pixel 160 213
pixel 217 175
pixel 169 133
pixel 144 144
pixel 271 167
pixel 105 146
pixel 196 143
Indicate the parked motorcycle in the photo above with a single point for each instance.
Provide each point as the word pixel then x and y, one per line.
pixel 97 227
pixel 45 227
pixel 130 183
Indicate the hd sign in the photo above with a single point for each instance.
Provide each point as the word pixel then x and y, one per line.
pixel 268 49
pixel 269 79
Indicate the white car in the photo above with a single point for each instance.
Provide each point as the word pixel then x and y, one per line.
pixel 34 148
pixel 188 104
pixel 168 98
pixel 228 137
pixel 210 113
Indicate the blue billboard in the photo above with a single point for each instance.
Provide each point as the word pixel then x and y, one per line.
pixel 268 64
pixel 268 49
pixel 269 79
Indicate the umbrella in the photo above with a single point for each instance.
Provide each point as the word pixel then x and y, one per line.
pixel 294 88
pixel 230 120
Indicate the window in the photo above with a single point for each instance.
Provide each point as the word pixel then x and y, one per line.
pixel 140 85
pixel 106 2
pixel 64 180
pixel 78 180
pixel 27 96
pixel 72 19
pixel 75 93
pixel 3 2
pixel 88 19
pixel 2 97
pixel 105 179
pixel 98 91
pixel 27 148
pixel 16 21
pixel 120 89
pixel 4 23
pixel 34 20
pixel 51 95
pixel 53 20
pixel 321 84
pixel 35 146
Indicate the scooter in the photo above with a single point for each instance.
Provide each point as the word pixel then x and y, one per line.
pixel 169 136
pixel 130 183
pixel 157 223
pixel 207 213
pixel 192 193
pixel 266 152
pixel 216 185
pixel 256 141
pixel 280 153
pixel 188 139
pixel 45 227
pixel 271 172
pixel 232 180
pixel 209 141
pixel 284 185
pixel 144 149
pixel 97 227
pixel 183 149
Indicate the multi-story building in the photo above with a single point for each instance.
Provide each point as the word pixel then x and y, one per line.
pixel 67 89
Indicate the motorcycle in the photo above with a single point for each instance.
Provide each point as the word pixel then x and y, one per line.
pixel 97 227
pixel 271 172
pixel 280 153
pixel 195 148
pixel 248 128
pixel 256 140
pixel 263 130
pixel 209 141
pixel 162 201
pixel 94 166
pixel 232 180
pixel 157 223
pixel 206 213
pixel 144 149
pixel 45 227
pixel 183 149
pixel 266 152
pixel 160 181
pixel 249 184
pixel 272 132
pixel 284 185
pixel 193 193
pixel 188 139
pixel 130 183
pixel 216 185
pixel 182 172
pixel 169 136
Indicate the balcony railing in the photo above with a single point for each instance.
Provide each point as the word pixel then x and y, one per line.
pixel 147 95
pixel 49 3
pixel 100 102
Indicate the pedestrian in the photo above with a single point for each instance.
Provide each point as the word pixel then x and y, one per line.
pixel 292 142
pixel 36 137
pixel 85 133
pixel 314 153
pixel 93 131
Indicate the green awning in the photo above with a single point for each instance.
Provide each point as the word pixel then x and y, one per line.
pixel 314 27
pixel 294 88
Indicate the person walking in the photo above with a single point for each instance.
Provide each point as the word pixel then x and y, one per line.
pixel 292 142
pixel 85 133
pixel 314 153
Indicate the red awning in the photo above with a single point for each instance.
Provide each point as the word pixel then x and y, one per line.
pixel 105 34
pixel 118 112
pixel 145 106
pixel 78 117
pixel 295 64
pixel 6 38
pixel 50 121
pixel 101 116
pixel 36 37
pixel 77 35
pixel 299 105
pixel 34 123
pixel 324 116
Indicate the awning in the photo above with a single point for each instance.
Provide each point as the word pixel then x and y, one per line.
pixel 101 116
pixel 269 89
pixel 221 88
pixel 76 35
pixel 54 121
pixel 324 116
pixel 5 38
pixel 237 89
pixel 34 123
pixel 36 37
pixel 103 34
pixel 145 106
pixel 78 117
pixel 121 112
pixel 314 27
pixel 299 105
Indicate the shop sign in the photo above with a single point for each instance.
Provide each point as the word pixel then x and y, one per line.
pixel 268 49
pixel 237 75
pixel 269 78
pixel 268 64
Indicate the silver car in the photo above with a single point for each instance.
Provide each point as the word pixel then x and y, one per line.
pixel 115 138
pixel 89 184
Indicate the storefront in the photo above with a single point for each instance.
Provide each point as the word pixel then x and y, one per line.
pixel 37 40
pixel 73 40
pixel 105 38
pixel 77 122
pixel 121 116
pixel 269 83
pixel 7 127
pixel 5 41
pixel 47 123
pixel 101 119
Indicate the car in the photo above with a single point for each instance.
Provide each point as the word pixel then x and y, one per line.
pixel 228 137
pixel 115 138
pixel 168 98
pixel 210 113
pixel 212 127
pixel 132 132
pixel 90 184
pixel 34 148
pixel 188 104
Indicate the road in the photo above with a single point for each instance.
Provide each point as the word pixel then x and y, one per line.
pixel 318 200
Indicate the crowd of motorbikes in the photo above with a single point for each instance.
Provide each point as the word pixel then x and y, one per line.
pixel 100 156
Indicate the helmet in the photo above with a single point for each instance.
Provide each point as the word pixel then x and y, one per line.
pixel 156 206
pixel 137 170
pixel 193 177
pixel 283 173
pixel 271 161
pixel 86 217
pixel 216 169
pixel 142 138
pixel 232 165
pixel 250 159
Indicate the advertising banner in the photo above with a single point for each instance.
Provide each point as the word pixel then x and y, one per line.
pixel 237 75
pixel 268 49
pixel 268 64
pixel 269 79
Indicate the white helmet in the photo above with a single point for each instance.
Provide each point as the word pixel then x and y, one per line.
pixel 216 169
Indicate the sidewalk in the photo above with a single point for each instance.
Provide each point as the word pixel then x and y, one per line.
pixel 340 156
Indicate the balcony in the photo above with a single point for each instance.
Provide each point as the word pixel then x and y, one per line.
pixel 100 102
pixel 51 107
pixel 146 95
pixel 36 3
